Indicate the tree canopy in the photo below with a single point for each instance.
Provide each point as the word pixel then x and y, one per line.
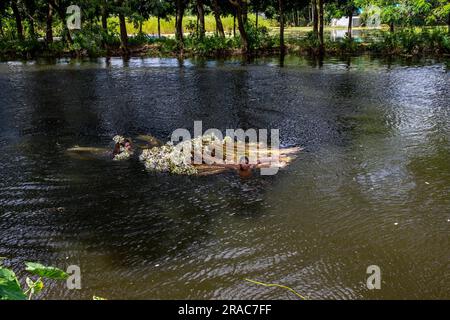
pixel 32 19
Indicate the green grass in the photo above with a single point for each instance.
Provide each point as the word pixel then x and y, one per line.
pixel 168 26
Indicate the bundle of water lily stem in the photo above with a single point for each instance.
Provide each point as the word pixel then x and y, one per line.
pixel 205 154
pixel 209 154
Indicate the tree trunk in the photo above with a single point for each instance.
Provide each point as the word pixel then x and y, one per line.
pixel 321 26
pixel 256 18
pixel 310 14
pixel 159 27
pixel 49 24
pixel 281 8
pixel 201 17
pixel 140 27
pixel 234 24
pixel 18 18
pixel 196 25
pixel 179 21
pixel 176 19
pixel 448 23
pixel 27 11
pixel 350 23
pixel 62 15
pixel 315 17
pixel 123 33
pixel 2 33
pixel 391 27
pixel 241 24
pixel 31 30
pixel 244 7
pixel 104 17
pixel 105 22
pixel 219 25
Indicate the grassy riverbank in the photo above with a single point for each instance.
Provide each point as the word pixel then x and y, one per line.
pixel 93 41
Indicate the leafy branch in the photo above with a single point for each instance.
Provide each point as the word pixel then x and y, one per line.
pixel 10 288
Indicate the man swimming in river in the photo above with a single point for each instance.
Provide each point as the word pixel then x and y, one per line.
pixel 245 168
pixel 123 148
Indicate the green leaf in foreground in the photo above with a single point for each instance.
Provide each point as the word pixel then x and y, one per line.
pixel 9 286
pixel 46 272
pixel 98 298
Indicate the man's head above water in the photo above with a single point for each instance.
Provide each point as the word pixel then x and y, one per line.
pixel 127 145
pixel 244 163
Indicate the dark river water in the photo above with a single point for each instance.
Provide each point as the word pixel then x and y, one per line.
pixel 372 186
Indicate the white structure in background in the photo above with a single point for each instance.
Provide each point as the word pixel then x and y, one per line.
pixel 343 22
pixel 337 34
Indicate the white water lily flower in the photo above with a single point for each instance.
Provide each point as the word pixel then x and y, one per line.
pixel 167 159
pixel 123 155
pixel 118 139
pixel 177 159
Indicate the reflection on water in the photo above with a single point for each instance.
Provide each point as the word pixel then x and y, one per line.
pixel 372 186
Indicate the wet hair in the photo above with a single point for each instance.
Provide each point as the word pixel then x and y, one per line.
pixel 245 160
pixel 244 164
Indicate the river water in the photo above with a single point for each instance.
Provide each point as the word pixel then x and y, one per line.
pixel 372 186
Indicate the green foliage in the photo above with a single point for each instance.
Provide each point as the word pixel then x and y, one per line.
pixel 9 286
pixel 93 40
pixel 214 45
pixel 348 45
pixel 440 12
pixel 24 49
pixel 407 41
pixel 169 46
pixel 55 48
pixel 410 41
pixel 89 39
pixel 45 272
pixel 259 38
pixel 310 43
pixel 405 12
pixel 393 13
pixel 210 45
pixel 141 39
